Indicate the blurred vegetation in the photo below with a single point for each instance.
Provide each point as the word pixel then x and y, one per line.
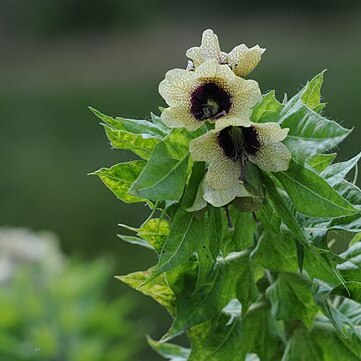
pixel 68 16
pixel 53 308
pixel 61 56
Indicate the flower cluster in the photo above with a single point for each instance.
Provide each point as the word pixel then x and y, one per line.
pixel 213 90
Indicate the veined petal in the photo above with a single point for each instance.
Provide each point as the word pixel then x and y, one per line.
pixel 205 147
pixel 179 117
pixel 270 132
pixel 272 157
pixel 222 172
pixel 227 121
pixel 209 49
pixel 246 93
pixel 221 197
pixel 177 87
pixel 243 60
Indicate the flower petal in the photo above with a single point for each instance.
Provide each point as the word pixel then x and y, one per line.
pixel 246 93
pixel 209 49
pixel 177 87
pixel 222 172
pixel 179 117
pixel 270 132
pixel 205 147
pixel 272 157
pixel 243 60
pixel 221 197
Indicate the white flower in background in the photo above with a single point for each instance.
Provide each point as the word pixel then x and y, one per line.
pixel 242 60
pixel 22 246
pixel 210 93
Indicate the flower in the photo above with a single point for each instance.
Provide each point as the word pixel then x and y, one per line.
pixel 210 93
pixel 242 60
pixel 228 151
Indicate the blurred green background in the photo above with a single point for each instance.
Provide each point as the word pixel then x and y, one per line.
pixel 58 57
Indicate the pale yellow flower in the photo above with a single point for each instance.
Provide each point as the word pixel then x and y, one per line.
pixel 210 93
pixel 227 152
pixel 242 60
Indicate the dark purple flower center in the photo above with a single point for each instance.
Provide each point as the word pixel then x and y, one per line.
pixel 238 142
pixel 210 101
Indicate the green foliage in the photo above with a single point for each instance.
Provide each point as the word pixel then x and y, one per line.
pixel 57 311
pixel 264 286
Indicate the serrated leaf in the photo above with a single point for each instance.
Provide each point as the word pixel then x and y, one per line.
pixel 138 136
pixel 158 288
pixel 243 234
pixel 187 229
pixel 155 232
pixel 337 172
pixel 351 290
pixel 310 133
pixel 258 333
pixel 351 267
pixel 267 109
pixel 300 347
pixel 334 347
pixel 320 162
pixel 281 248
pixel 311 194
pixel 120 177
pixel 311 93
pixel 136 240
pixel 169 351
pixel 285 213
pixel 350 192
pixel 137 143
pixel 291 299
pixel 195 307
pixel 165 174
pixel 135 126
pixel 215 230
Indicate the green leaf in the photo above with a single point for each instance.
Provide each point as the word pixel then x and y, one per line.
pixel 351 290
pixel 195 307
pixel 311 93
pixel 301 347
pixel 291 299
pixel 310 133
pixel 145 127
pixel 285 213
pixel 120 177
pixel 169 351
pixel 136 240
pixel 351 267
pixel 164 177
pixel 217 340
pixel 187 232
pixel 267 109
pixel 139 136
pixel 337 172
pixel 282 249
pixel 320 162
pixel 158 288
pixel 155 232
pixel 137 143
pixel 311 194
pixel 334 347
pixel 216 229
pixel 243 235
